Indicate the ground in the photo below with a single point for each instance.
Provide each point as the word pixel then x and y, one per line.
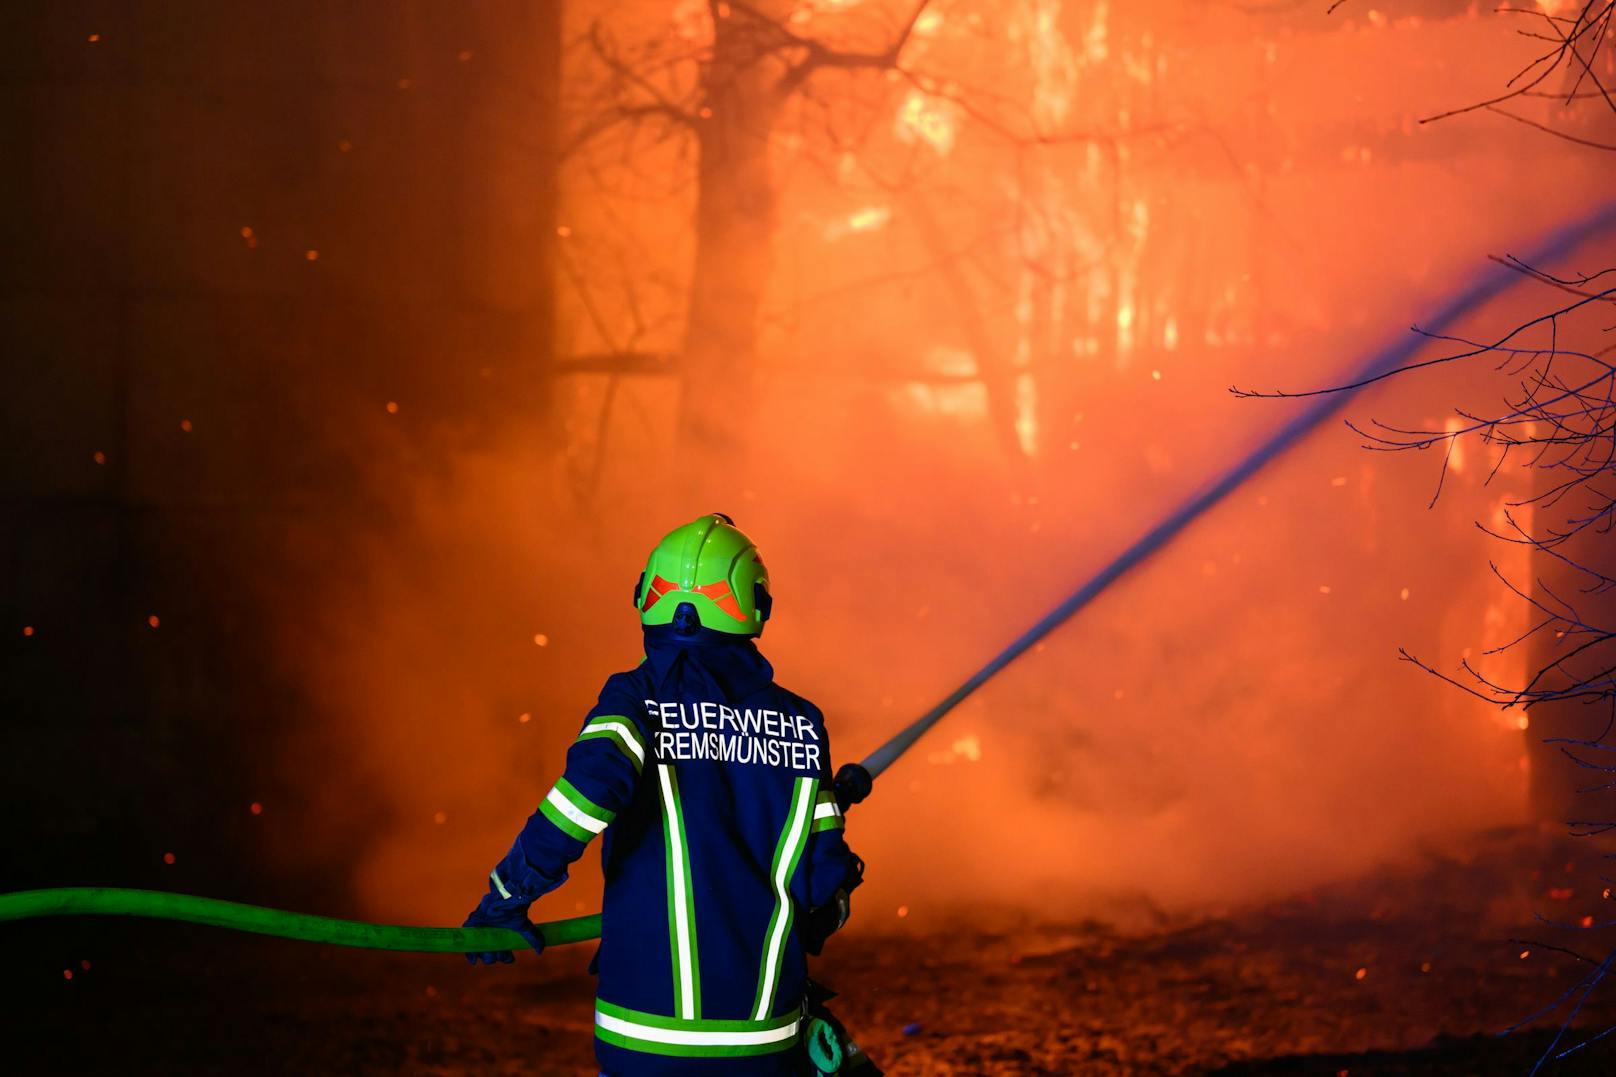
pixel 1411 971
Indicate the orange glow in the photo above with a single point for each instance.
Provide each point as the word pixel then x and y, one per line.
pixel 1031 270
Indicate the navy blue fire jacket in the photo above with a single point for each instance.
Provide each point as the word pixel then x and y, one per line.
pixel 711 788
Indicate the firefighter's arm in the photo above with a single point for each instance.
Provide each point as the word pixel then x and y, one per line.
pixel 603 768
pixel 833 870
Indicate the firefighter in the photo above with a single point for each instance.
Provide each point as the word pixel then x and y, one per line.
pixel 721 837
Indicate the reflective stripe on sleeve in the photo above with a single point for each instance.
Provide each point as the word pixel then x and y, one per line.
pixel 827 813
pixel 621 732
pixel 575 814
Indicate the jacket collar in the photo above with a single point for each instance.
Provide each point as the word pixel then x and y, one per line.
pixel 707 663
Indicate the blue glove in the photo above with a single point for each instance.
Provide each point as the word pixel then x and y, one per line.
pixel 511 913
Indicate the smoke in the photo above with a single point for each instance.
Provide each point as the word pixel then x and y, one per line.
pixel 1229 722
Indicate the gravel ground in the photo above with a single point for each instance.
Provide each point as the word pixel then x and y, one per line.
pixel 1410 972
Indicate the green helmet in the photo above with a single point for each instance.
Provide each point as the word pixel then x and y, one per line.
pixel 710 564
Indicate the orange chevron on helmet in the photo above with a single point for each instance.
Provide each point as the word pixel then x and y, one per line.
pixel 713 565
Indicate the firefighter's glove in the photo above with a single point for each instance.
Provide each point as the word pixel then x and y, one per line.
pixel 823 922
pixel 506 912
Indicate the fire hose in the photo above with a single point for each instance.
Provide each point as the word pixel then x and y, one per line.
pixel 854 781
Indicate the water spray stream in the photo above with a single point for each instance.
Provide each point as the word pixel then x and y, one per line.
pixel 855 780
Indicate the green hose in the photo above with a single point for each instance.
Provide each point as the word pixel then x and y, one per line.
pixel 156 904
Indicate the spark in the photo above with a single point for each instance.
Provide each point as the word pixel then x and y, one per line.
pixel 153 620
pixel 185 425
pixel 1525 954
pixel 1339 480
pixel 27 630
pixel 440 817
pixel 67 974
pixel 311 255
pixel 524 717
pixel 1324 588
pixel 100 458
pixel 868 219
pixel 541 640
pixel 1425 966
pixel 1403 594
pixel 563 231
pixel 94 38
pixel 343 146
pixel 1361 973
pixel 168 858
pixel 903 911
pixel 463 55
pixel 256 808
pixel 392 407
pixel 922 118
